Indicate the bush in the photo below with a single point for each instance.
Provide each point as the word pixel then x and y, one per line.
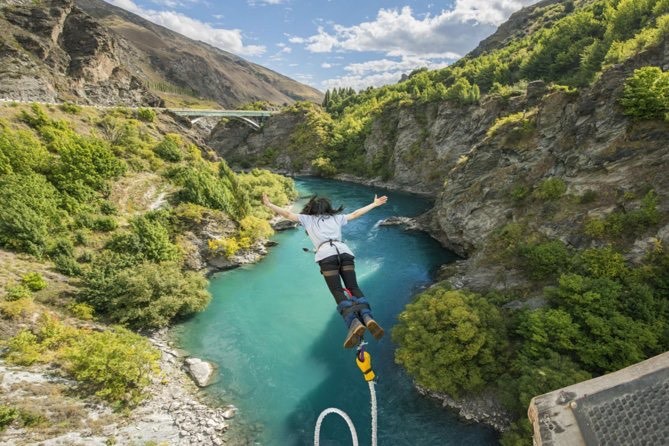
pixel 82 311
pixel 67 265
pixel 646 94
pixel 148 239
pixel 516 126
pixel 324 167
pixel 34 281
pixel 16 292
pixel 169 148
pixel 104 224
pixel 29 215
pixel 70 108
pixel 602 262
pixel 148 295
pixel 21 152
pixel 116 364
pixel 450 341
pixel 546 260
pixel 550 189
pixel 7 416
pixel 146 114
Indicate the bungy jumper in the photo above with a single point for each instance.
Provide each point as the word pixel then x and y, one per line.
pixel 364 362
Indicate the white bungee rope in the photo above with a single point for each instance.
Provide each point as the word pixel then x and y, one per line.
pixel 365 366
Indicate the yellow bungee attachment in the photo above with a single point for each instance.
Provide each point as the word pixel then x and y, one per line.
pixel 364 361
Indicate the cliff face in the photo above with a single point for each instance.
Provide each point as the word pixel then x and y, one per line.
pixel 584 139
pixel 447 151
pixel 54 51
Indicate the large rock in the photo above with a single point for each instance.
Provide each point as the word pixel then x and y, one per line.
pixel 201 371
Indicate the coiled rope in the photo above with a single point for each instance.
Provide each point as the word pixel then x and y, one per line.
pixel 344 415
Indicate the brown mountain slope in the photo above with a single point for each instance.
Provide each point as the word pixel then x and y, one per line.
pixel 88 51
pixel 196 66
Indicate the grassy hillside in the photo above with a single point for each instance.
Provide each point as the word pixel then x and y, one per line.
pixel 99 210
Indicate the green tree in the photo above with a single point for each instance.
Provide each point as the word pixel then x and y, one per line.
pixel 148 239
pixel 145 296
pixel 29 214
pixel 450 341
pixel 646 94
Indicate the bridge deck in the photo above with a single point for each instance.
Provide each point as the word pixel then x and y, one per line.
pixel 222 113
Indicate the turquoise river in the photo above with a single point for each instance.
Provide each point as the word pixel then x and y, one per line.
pixel 273 330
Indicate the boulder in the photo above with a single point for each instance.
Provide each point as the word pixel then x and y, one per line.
pixel 201 371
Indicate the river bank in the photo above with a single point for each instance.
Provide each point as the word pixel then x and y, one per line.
pixel 174 412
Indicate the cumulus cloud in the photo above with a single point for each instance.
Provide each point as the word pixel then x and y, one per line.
pixel 399 31
pixel 226 39
pixel 409 41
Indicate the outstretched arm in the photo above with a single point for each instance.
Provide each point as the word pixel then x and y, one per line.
pixel 378 201
pixel 277 210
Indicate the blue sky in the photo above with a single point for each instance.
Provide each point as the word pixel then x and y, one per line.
pixel 335 43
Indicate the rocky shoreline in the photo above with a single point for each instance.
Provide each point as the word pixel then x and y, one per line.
pixel 172 414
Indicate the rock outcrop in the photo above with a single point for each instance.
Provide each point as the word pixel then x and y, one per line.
pixel 53 51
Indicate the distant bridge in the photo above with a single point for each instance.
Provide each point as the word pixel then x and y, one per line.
pixel 244 115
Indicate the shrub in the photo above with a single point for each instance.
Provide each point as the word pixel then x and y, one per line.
pixel 646 94
pixel 545 260
pixel 29 214
pixel 21 152
pixel 225 245
pixel 70 108
pixel 82 311
pixel 117 364
pixel 148 295
pixel 517 126
pixel 146 114
pixel 602 262
pixel 148 239
pixel 7 416
pixel 450 341
pixel 104 224
pixel 200 185
pixel 16 292
pixel 14 309
pixel 324 167
pixel 169 148
pixel 550 189
pixel 34 281
pixel 67 265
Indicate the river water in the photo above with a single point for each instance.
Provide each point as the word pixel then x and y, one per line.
pixel 273 330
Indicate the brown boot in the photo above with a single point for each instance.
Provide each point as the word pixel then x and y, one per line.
pixel 355 331
pixel 373 327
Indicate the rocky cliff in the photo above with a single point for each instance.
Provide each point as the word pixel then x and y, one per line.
pixel 52 51
pixel 448 151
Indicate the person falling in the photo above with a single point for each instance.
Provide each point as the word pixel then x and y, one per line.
pixel 323 224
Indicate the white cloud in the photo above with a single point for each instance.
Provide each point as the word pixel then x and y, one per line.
pixel 226 39
pixel 326 65
pixel 264 2
pixel 409 41
pixel 362 82
pixel 399 32
pixel 404 65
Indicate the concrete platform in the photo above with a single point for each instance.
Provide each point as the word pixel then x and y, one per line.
pixel 627 407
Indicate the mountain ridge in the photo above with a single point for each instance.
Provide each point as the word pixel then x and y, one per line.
pixel 91 52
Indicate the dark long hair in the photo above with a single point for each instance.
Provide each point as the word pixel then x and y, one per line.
pixel 320 206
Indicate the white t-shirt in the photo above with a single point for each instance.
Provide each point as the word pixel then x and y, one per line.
pixel 321 229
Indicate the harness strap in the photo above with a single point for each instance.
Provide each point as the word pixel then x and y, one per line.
pixel 331 242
